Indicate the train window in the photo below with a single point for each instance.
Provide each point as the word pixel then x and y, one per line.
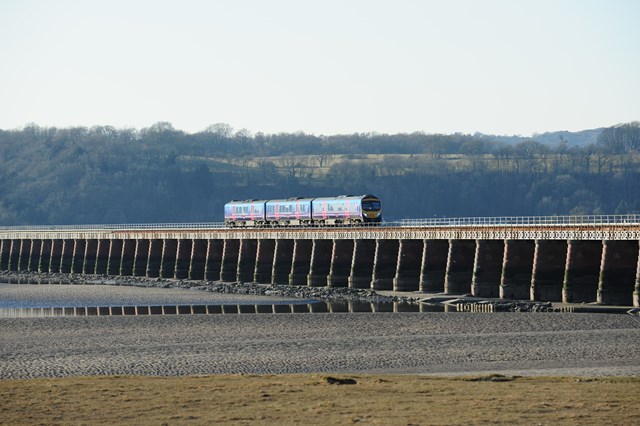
pixel 371 205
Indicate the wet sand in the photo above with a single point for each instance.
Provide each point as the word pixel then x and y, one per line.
pixel 415 343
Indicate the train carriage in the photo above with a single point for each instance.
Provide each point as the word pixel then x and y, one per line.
pixel 292 211
pixel 244 213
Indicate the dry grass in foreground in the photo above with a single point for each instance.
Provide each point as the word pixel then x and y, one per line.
pixel 320 399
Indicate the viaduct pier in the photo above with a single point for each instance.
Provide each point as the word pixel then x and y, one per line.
pixel 558 259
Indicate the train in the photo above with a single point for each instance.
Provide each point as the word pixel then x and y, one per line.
pixel 300 211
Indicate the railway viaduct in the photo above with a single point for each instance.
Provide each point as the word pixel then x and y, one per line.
pixel 568 259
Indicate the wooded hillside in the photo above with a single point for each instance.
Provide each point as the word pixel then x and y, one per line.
pixel 160 174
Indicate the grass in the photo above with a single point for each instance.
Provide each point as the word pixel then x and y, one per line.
pixel 398 164
pixel 320 399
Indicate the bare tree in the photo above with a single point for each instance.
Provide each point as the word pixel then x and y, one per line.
pixel 291 166
pixel 222 130
pixel 243 135
pixel 323 159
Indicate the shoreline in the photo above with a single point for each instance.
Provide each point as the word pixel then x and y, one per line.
pixel 461 303
pixel 327 294
pixel 427 343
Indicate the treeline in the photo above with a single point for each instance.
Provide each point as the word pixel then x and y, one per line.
pixel 161 174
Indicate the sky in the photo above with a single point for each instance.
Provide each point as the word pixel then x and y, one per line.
pixel 504 67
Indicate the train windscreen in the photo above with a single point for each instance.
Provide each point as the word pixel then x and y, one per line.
pixel 371 205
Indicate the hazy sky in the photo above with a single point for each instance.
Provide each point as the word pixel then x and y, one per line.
pixel 322 67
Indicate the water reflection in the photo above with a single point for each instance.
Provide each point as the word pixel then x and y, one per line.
pixel 228 309
pixel 33 280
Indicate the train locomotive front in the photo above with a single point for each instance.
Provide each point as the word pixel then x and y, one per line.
pixel 347 209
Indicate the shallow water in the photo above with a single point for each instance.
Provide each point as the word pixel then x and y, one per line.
pixel 50 295
pixel 46 300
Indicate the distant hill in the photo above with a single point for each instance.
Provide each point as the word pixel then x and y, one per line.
pixel 581 138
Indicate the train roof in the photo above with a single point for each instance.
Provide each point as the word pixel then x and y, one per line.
pixel 246 201
pixel 290 200
pixel 302 199
pixel 347 197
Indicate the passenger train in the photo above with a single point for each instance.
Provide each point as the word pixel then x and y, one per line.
pixel 341 210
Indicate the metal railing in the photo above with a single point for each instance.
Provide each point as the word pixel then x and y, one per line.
pixel 633 219
pixel 118 227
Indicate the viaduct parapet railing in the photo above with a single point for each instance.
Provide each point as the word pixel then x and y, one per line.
pixel 611 227
pixel 558 258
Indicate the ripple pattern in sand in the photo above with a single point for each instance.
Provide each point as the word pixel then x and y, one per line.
pixel 429 343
